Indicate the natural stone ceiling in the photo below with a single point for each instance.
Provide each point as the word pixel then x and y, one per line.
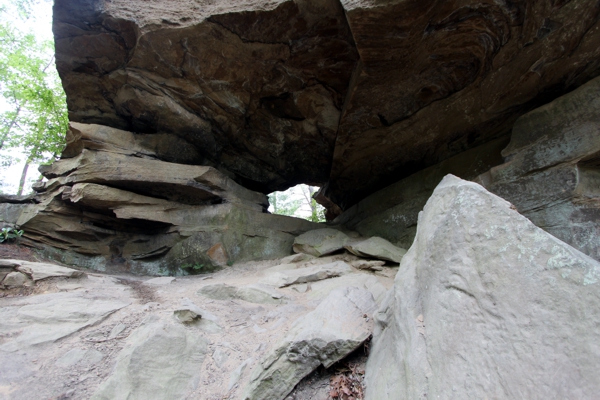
pixel 352 95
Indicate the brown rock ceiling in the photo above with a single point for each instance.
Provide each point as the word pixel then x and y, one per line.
pixel 352 95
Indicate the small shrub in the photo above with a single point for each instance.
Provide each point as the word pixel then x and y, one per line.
pixel 193 268
pixel 9 234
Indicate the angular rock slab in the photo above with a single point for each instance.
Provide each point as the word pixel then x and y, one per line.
pixel 54 316
pixel 376 247
pixel 39 271
pixel 16 279
pixel 320 290
pixel 486 305
pixel 320 242
pixel 160 361
pixel 189 313
pixel 323 336
pixel 309 274
pixel 259 294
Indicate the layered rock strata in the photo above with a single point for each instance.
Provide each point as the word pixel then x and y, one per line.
pixel 109 203
pixel 353 95
pixel 254 87
pixel 552 169
pixel 436 78
pixel 549 171
pixel 179 108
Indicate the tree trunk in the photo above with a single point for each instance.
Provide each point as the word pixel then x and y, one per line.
pixel 10 126
pixel 313 204
pixel 23 176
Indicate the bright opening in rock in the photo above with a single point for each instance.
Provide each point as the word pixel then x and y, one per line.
pixel 297 201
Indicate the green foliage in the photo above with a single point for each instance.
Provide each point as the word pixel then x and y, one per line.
pixel 34 120
pixel 9 234
pixel 193 268
pixel 298 202
pixel 284 204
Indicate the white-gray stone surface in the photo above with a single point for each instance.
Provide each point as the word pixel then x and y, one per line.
pixel 38 271
pixel 375 247
pixel 320 242
pixel 486 305
pixel 161 361
pixel 53 316
pixel 340 324
pixel 308 274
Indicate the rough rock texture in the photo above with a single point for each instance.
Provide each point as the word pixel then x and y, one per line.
pixel 142 350
pixel 486 305
pixel 110 204
pixel 52 317
pixel 287 277
pixel 257 293
pixel 438 77
pixel 320 242
pixel 326 335
pixel 38 271
pixel 549 171
pixel 375 247
pixel 552 169
pixel 246 85
pixel 16 279
pixel 19 273
pixel 354 94
pixel 391 213
pixel 184 114
pixel 161 361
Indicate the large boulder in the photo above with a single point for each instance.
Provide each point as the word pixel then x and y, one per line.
pixel 376 247
pixel 320 242
pixel 551 174
pixel 486 305
pixel 340 324
pixel 354 94
pixel 38 271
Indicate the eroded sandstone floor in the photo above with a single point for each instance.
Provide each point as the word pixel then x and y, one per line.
pixel 114 336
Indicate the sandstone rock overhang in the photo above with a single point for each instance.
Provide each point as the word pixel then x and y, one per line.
pixel 351 95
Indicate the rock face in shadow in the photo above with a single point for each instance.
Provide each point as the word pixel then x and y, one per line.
pixel 436 78
pixel 110 204
pixel 184 115
pixel 353 95
pixel 247 86
pixel 552 169
pixel 485 304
